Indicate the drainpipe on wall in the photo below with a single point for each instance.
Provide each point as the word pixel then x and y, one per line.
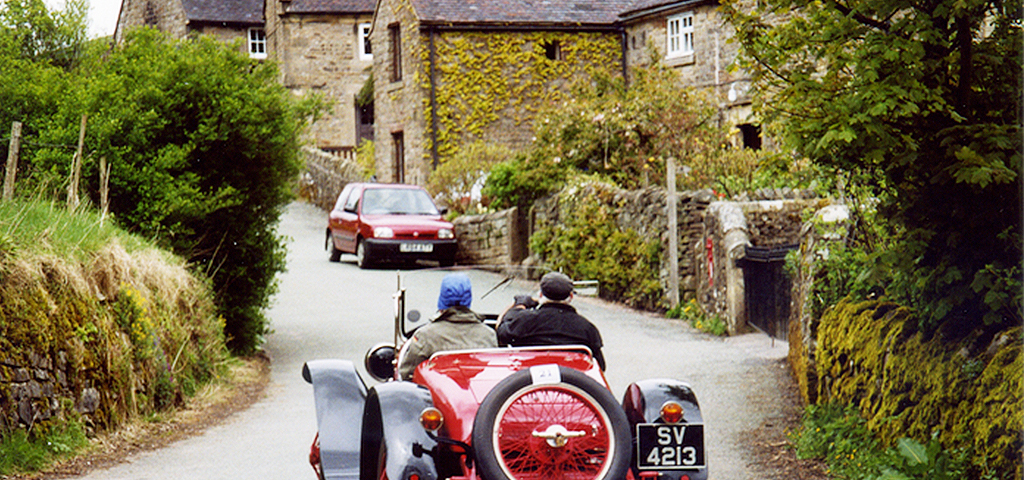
pixel 434 160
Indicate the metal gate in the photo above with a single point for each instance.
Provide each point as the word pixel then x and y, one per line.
pixel 767 288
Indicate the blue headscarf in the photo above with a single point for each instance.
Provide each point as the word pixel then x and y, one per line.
pixel 455 290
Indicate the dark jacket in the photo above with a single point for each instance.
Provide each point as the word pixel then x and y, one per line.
pixel 550 324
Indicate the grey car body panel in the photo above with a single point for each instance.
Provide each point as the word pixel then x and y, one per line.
pixel 340 395
pixel 399 405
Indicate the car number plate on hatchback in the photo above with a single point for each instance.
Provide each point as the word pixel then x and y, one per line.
pixel 669 446
pixel 415 247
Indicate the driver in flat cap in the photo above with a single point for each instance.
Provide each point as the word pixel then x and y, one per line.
pixel 550 320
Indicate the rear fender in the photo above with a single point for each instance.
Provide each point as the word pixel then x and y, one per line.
pixel 643 400
pixel 392 419
pixel 642 403
pixel 339 394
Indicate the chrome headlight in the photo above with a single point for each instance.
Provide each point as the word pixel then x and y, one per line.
pixel 445 234
pixel 383 232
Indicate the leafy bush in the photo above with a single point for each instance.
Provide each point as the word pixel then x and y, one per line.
pixel 924 108
pixel 202 144
pixel 624 135
pixel 837 435
pixel 459 180
pixel 588 244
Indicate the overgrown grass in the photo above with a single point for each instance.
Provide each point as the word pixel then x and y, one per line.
pixel 131 320
pixel 837 435
pixel 34 227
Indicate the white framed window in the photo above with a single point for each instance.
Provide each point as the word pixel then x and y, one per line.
pixel 365 53
pixel 257 43
pixel 680 35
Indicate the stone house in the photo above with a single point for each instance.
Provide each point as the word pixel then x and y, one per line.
pixel 448 73
pixel 322 46
pixel 692 38
pixel 227 20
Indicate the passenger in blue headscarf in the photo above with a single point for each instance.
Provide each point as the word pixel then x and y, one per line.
pixel 456 327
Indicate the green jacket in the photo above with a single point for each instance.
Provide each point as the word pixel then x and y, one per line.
pixel 456 328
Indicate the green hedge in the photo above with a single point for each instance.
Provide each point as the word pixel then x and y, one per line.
pixel 968 394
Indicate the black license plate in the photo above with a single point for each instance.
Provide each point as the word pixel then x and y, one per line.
pixel 669 447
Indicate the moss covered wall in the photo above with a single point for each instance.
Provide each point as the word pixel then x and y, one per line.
pixel 906 384
pixel 119 335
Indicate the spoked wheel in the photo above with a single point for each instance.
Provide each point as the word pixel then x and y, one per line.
pixel 568 429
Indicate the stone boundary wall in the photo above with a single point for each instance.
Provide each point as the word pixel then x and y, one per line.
pixel 497 238
pixel 728 228
pixel 645 212
pixel 326 175
pixel 34 388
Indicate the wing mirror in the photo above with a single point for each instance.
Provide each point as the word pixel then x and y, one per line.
pixel 380 362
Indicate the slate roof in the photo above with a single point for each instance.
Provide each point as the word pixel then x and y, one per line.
pixel 521 12
pixel 330 6
pixel 645 7
pixel 227 11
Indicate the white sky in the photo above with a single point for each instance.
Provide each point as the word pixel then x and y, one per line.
pixel 102 15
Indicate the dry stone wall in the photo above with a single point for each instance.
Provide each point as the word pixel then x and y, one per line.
pixel 497 238
pixel 35 388
pixel 326 175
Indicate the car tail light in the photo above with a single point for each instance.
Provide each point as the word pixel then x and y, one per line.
pixel 671 412
pixel 431 419
pixel 445 234
pixel 383 232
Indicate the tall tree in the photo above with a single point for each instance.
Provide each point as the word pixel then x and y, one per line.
pixel 922 100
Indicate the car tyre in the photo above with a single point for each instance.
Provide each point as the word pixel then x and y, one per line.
pixel 362 256
pixel 335 253
pixel 505 429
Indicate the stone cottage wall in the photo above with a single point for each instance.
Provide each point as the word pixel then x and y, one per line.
pixel 320 53
pixel 645 212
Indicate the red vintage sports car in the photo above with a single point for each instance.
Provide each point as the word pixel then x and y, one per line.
pixel 496 414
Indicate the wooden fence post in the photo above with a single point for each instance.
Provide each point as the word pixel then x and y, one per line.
pixel 76 168
pixel 104 188
pixel 12 160
pixel 673 234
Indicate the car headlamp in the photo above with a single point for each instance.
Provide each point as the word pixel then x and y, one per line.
pixel 445 233
pixel 383 232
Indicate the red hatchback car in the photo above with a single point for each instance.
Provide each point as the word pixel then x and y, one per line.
pixel 389 223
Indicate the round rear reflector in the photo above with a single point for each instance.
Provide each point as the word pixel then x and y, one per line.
pixel 671 412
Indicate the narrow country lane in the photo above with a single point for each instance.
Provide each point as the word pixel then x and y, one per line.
pixel 335 310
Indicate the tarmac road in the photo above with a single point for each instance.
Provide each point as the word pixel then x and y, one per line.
pixel 336 310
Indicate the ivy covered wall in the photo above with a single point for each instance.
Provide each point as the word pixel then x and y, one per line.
pixel 490 85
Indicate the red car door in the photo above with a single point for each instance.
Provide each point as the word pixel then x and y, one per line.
pixel 344 219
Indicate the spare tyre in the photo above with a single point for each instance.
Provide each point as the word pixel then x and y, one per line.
pixel 551 422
